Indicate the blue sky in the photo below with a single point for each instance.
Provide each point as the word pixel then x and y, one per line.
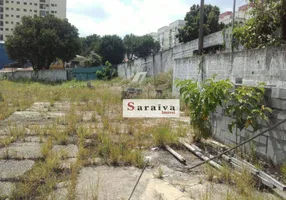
pixel 139 17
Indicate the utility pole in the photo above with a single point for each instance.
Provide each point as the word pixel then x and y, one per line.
pixel 201 31
pixel 233 19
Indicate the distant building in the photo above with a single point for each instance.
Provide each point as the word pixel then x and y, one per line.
pixel 154 35
pixel 167 34
pixel 11 12
pixel 240 16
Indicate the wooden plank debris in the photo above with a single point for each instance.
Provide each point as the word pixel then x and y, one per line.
pixel 175 154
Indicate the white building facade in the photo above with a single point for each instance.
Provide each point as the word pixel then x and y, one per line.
pixel 241 15
pixel 11 12
pixel 167 34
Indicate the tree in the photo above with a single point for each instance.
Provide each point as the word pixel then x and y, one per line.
pixel 41 40
pixel 93 60
pixel 140 46
pixel 263 28
pixel 146 46
pixel 107 73
pixel 130 43
pixel 191 30
pixel 112 49
pixel 89 44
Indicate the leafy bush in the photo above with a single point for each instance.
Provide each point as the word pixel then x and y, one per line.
pixel 243 104
pixel 93 60
pixel 203 99
pixel 107 73
pixel 246 108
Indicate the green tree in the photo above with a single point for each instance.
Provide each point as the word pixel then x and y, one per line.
pixel 41 40
pixel 140 46
pixel 146 46
pixel 112 49
pixel 89 44
pixel 263 28
pixel 130 43
pixel 93 60
pixel 192 18
pixel 107 73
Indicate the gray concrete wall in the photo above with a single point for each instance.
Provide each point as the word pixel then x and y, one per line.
pixel 262 65
pixel 43 75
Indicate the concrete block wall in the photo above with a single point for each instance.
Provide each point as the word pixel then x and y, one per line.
pixel 43 75
pixel 270 146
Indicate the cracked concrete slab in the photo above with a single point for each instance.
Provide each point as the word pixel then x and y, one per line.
pixel 110 183
pixel 13 169
pixel 26 150
pixel 69 151
pixel 6 189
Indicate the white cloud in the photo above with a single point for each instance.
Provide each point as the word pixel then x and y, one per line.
pixel 128 16
pixel 138 16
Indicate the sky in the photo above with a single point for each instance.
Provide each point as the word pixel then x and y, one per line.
pixel 121 17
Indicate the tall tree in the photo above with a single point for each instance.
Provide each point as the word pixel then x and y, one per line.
pixel 89 44
pixel 140 46
pixel 112 49
pixel 263 28
pixel 41 40
pixel 211 24
pixel 130 43
pixel 146 46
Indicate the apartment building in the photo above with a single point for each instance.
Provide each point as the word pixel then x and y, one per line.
pixel 167 34
pixel 11 12
pixel 240 16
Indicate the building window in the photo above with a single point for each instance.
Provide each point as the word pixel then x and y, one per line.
pixel 1 9
pixel 25 10
pixel 18 23
pixel 35 4
pixel 52 11
pixel 12 15
pixel 1 29
pixel 12 22
pixel 25 3
pixel 6 29
pixel 52 5
pixel 1 16
pixel 6 22
pixel 1 37
pixel 1 2
pixel 6 8
pixel 7 1
pixel 18 2
pixel 42 13
pixel 43 1
pixel 12 8
pixel 1 23
pixel 18 9
pixel 35 11
pixel 18 16
pixel 42 6
pixel 6 15
pixel 31 10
